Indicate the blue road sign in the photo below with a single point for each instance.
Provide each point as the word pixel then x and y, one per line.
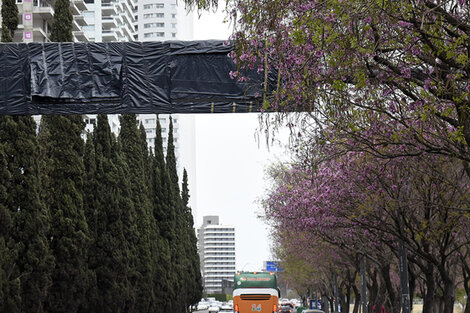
pixel 273 266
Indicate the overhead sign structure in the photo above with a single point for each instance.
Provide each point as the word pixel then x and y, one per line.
pixel 273 266
pixel 130 77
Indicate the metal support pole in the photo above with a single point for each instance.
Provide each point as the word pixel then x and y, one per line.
pixel 335 291
pixel 404 282
pixel 363 284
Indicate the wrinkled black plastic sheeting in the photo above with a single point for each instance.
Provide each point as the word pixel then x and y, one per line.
pixel 131 77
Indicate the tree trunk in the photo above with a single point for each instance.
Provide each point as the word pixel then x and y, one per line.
pixel 449 295
pixel 428 301
pixel 357 301
pixel 392 296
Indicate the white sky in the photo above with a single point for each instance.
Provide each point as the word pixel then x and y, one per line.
pixel 230 167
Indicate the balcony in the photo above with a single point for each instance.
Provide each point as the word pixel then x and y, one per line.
pixel 78 23
pixel 109 35
pixel 46 13
pixel 79 36
pixel 40 35
pixel 108 9
pixel 80 4
pixel 109 23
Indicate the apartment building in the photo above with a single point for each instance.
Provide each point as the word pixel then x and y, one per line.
pixel 162 20
pixel 216 246
pixel 110 20
pixel 35 20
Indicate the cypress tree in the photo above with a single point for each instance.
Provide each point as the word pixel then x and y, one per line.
pixel 91 210
pixel 9 274
pixel 109 255
pixel 61 29
pixel 185 190
pixel 69 237
pixel 161 211
pixel 171 159
pixel 129 226
pixel 132 148
pixel 193 277
pixel 30 218
pixel 112 253
pixel 9 20
pixel 177 244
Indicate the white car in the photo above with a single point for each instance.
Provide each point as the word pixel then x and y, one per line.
pixel 202 306
pixel 226 307
pixel 214 309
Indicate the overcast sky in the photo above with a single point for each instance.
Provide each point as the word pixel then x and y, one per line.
pixel 230 165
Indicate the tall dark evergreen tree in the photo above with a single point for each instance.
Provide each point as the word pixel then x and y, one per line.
pixel 91 210
pixel 193 279
pixel 177 242
pixel 160 195
pixel 69 236
pixel 129 225
pixel 9 20
pixel 61 30
pixel 132 148
pixel 109 253
pixel 9 273
pixel 29 215
pixel 171 159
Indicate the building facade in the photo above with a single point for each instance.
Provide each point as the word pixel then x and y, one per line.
pixel 110 20
pixel 161 20
pixel 216 246
pixel 35 20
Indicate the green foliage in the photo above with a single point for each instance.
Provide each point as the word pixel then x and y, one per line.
pixel 134 155
pixel 94 227
pixel 69 236
pixel 61 30
pixel 9 20
pixel 28 212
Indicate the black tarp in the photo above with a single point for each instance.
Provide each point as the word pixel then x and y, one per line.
pixel 131 77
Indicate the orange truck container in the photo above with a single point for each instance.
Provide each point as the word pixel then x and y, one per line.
pixel 255 292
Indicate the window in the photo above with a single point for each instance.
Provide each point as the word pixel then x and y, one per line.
pixel 150 121
pixel 173 15
pixel 157 34
pixel 152 25
pixel 154 6
pixel 173 35
pixel 154 15
pixel 173 25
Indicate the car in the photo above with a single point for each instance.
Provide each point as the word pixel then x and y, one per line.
pixel 226 307
pixel 202 306
pixel 214 309
pixel 285 309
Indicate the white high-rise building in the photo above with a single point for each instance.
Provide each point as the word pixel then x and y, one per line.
pixel 216 245
pixel 110 20
pixel 35 20
pixel 161 20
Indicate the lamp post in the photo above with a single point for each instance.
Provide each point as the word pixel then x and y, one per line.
pixel 403 264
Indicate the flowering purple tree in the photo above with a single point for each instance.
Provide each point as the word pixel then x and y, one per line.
pixel 355 203
pixel 390 73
